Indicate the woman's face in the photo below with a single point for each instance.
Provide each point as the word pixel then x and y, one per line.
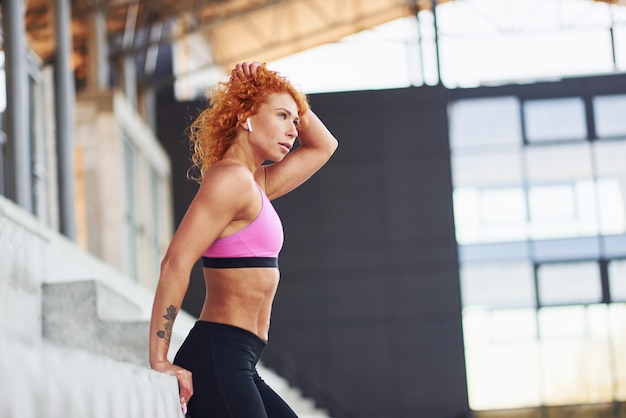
pixel 274 127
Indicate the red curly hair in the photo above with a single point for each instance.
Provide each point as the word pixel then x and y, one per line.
pixel 215 129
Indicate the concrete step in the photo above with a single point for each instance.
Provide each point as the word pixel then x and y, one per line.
pixel 91 316
pixel 45 380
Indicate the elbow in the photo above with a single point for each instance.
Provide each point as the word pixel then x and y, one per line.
pixel 333 144
pixel 174 267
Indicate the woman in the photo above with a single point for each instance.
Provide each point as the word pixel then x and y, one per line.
pixel 254 117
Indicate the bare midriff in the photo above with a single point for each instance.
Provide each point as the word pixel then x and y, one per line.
pixel 241 297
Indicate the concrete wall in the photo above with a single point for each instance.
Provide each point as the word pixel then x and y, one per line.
pixel 123 188
pixel 41 378
pixel 47 380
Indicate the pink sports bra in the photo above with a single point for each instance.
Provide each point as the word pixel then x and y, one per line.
pixel 256 245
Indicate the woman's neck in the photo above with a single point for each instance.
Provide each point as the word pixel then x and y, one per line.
pixel 243 154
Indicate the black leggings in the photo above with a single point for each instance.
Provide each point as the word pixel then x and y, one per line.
pixel 222 359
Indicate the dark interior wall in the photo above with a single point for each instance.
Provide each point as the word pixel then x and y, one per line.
pixel 369 301
pixel 368 310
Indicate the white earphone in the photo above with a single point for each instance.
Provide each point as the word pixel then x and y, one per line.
pixel 249 125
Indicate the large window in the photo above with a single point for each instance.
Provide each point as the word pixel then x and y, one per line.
pixel 480 42
pixel 540 214
pixel 565 347
pixel 146 212
pixel 609 115
pixel 617 280
pixel 572 283
pixel 555 119
pixel 39 136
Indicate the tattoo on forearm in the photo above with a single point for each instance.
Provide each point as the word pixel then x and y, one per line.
pixel 168 325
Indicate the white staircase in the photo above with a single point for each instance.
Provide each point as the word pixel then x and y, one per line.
pixel 76 347
pixel 72 315
pixel 91 316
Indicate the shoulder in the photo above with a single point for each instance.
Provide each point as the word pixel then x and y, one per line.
pixel 227 173
pixel 227 183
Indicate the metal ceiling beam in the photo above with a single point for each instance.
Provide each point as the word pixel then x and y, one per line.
pixel 267 29
pixel 257 35
pixel 191 28
pixel 303 24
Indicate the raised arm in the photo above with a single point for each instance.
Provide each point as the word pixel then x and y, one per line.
pixel 317 145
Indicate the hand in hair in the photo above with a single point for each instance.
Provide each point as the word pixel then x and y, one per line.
pixel 245 68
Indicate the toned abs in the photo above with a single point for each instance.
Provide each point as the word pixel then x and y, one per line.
pixel 241 297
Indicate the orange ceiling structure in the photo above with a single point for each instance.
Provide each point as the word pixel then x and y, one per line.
pixel 235 29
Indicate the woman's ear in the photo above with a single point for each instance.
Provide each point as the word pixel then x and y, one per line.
pixel 245 123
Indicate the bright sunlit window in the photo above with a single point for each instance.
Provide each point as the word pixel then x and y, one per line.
pixel 481 42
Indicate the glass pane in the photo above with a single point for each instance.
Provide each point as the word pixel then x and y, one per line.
pixel 609 114
pixel 617 280
pixel 619 32
pixel 558 163
pixel 569 283
pixel 617 321
pixel 485 121
pixel 553 325
pixel 494 381
pixel 543 45
pixel 567 210
pixel 495 215
pixel 508 325
pixel 488 169
pixel 612 207
pixel 610 161
pixel 488 207
pixel 555 119
pixel 576 359
pixel 503 206
pixel 497 285
pixel 550 203
pixel 600 363
pixel 562 193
